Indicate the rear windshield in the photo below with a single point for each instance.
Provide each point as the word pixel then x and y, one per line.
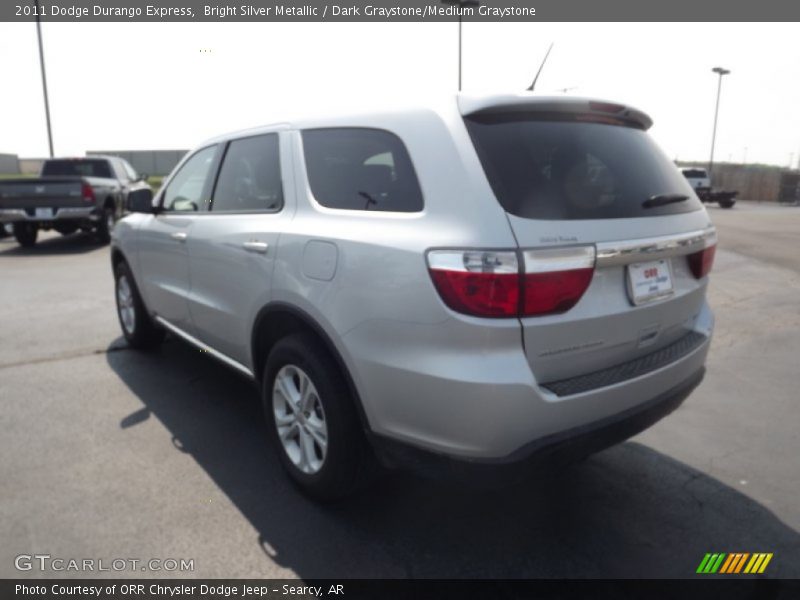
pixel 80 168
pixel 558 169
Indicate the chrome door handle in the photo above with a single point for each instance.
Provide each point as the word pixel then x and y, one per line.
pixel 178 236
pixel 260 247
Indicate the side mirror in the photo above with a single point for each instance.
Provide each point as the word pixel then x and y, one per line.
pixel 141 201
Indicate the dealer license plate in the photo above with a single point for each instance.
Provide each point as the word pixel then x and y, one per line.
pixel 648 281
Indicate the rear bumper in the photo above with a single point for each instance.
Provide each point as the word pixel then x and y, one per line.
pixel 14 215
pixel 542 455
pixel 469 392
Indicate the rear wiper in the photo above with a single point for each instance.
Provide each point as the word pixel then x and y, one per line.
pixel 662 199
pixel 370 199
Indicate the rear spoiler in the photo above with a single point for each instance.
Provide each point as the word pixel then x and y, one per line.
pixel 550 105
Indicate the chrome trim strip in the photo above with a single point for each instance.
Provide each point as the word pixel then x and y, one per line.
pixel 206 348
pixel 622 253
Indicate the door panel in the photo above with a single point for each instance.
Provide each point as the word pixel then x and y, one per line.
pixel 231 263
pixel 163 255
pixel 164 264
pixel 232 248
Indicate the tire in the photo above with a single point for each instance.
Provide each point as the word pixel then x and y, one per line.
pixel 138 328
pixel 25 234
pixel 106 224
pixel 330 415
pixel 727 203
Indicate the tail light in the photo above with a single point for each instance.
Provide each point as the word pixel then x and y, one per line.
pixel 484 284
pixel 87 192
pixel 556 278
pixel 700 262
pixel 491 284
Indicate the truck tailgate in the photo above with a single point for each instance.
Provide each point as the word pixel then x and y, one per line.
pixel 56 192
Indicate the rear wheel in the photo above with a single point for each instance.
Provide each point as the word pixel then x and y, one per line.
pixel 312 419
pixel 106 224
pixel 727 203
pixel 138 328
pixel 26 234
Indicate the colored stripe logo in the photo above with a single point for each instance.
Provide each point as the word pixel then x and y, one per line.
pixel 734 563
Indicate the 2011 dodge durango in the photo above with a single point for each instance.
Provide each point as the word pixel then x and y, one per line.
pixel 476 288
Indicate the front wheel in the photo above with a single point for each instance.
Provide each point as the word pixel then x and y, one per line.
pixel 312 419
pixel 26 234
pixel 138 328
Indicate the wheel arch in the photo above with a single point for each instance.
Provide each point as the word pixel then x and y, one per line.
pixel 277 320
pixel 117 257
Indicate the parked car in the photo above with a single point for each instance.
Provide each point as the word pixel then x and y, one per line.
pixel 700 181
pixel 69 194
pixel 498 284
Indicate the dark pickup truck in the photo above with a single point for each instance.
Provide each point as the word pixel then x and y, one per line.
pixel 89 194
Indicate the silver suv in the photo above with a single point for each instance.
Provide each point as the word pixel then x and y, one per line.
pixel 496 284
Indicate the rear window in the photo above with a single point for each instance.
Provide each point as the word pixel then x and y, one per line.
pixel 361 169
pixel 76 168
pixel 554 170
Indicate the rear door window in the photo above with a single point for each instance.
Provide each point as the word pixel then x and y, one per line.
pixel 361 169
pixel 250 177
pixel 573 169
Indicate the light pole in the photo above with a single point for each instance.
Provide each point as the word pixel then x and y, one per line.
pixel 719 71
pixel 44 78
pixel 460 4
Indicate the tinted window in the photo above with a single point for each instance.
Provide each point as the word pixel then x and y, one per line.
pixel 185 191
pixel 361 169
pixel 546 169
pixel 250 177
pixel 77 168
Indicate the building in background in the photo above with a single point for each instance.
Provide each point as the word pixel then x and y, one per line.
pixel 149 162
pixel 9 164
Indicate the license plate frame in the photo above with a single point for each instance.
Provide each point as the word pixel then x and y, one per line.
pixel 649 281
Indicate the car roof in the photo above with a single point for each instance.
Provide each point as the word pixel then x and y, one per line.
pixel 462 103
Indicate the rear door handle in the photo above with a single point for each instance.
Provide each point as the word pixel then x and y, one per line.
pixel 178 236
pixel 260 247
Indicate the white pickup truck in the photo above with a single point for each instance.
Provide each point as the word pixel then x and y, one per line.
pixel 700 181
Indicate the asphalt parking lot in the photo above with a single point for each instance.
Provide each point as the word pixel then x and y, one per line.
pixel 106 452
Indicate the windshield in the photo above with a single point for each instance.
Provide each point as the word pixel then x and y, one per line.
pixel 574 169
pixel 79 168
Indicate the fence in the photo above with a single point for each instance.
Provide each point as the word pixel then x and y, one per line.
pixel 762 183
pixel 9 164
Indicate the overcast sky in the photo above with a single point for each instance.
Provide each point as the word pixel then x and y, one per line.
pixel 163 86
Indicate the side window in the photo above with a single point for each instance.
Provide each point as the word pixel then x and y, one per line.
pixel 361 169
pixel 129 170
pixel 119 167
pixel 185 191
pixel 250 177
